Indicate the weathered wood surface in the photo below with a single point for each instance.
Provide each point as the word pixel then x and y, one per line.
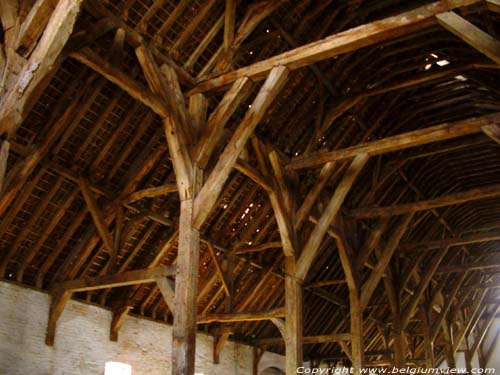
pixel 447 200
pixel 116 280
pixel 242 316
pixel 43 59
pixel 343 42
pixel 399 142
pixel 471 34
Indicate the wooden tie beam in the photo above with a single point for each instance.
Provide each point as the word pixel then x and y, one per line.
pixel 62 292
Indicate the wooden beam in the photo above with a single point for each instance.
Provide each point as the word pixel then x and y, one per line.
pixel 313 194
pixel 119 316
pixel 210 191
pixel 33 26
pixel 347 256
pixel 242 316
pixel 476 310
pixel 59 299
pixel 44 58
pixel 219 342
pixel 327 296
pixel 312 246
pixel 96 213
pixel 254 15
pixel 186 290
pixel 484 330
pixel 319 339
pixel 357 335
pixel 468 267
pixel 344 42
pixel 283 207
pixel 245 168
pixel 4 155
pixel 492 131
pixel 371 283
pixel 256 356
pixel 411 307
pixel 403 141
pixel 294 317
pixel 485 192
pixel 493 5
pixel 167 289
pixel 229 23
pixel 450 242
pixel 117 280
pixel 434 327
pixel 214 128
pixel 178 128
pixel 257 248
pixel 92 60
pixel 471 34
pixel 151 192
pixel 219 270
pixel 18 176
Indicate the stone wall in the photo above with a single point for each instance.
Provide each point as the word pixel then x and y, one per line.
pixel 82 344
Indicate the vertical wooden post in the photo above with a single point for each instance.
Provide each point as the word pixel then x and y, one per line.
pixel 257 354
pixel 428 341
pixel 293 326
pixel 357 342
pixel 399 342
pixel 184 329
pixel 4 154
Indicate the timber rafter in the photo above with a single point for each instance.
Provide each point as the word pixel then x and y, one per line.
pixel 325 213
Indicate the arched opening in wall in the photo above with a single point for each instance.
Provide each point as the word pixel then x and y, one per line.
pixel 272 371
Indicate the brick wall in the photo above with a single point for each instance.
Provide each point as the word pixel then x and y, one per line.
pixel 82 344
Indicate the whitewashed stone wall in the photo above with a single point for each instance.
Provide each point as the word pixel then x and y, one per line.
pixel 82 345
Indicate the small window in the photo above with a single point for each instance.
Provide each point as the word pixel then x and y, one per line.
pixel 117 368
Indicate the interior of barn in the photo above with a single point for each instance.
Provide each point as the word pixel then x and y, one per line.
pixel 249 187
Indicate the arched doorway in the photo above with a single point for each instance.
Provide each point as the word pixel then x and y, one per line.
pixel 272 371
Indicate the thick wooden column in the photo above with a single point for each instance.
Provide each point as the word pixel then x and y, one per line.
pixel 357 340
pixel 399 342
pixel 184 330
pixel 293 325
pixel 428 340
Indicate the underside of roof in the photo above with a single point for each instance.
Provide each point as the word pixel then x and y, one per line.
pixel 403 116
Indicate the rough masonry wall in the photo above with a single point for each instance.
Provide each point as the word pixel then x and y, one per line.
pixel 82 344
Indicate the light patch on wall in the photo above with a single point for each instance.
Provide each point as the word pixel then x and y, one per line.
pixel 117 368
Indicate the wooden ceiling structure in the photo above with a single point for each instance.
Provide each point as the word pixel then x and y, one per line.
pixel 316 178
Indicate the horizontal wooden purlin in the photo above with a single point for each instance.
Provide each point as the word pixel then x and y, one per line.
pixel 490 285
pixel 242 316
pixel 467 267
pixel 113 281
pixel 344 42
pixel 450 242
pixel 319 339
pixel 320 284
pixel 399 142
pixel 328 296
pixel 258 248
pixel 491 191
